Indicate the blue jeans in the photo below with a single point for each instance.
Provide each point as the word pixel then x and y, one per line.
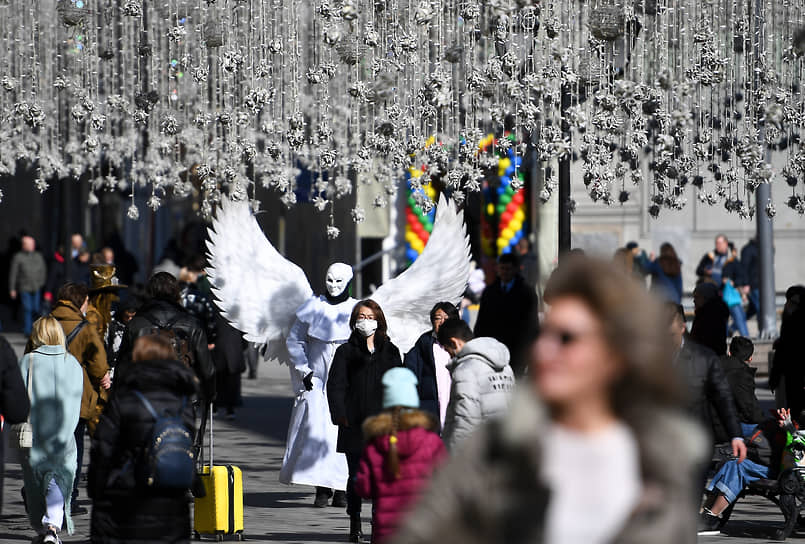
pixel 733 477
pixel 738 320
pixel 30 308
pixel 747 429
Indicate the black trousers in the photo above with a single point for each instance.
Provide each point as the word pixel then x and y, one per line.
pixel 354 501
pixel 79 446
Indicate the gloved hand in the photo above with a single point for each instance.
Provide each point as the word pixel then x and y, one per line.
pixel 308 382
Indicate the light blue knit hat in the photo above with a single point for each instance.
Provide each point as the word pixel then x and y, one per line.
pixel 399 388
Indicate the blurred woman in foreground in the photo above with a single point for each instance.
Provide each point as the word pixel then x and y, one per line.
pixel 594 450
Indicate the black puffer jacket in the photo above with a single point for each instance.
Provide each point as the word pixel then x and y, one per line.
pixel 354 387
pixel 123 509
pixel 741 378
pixel 164 314
pixel 700 371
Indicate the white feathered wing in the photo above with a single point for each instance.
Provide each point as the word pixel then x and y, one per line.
pixel 439 274
pixel 257 290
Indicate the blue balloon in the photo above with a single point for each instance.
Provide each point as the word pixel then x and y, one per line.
pixel 516 237
pixel 510 171
pixel 507 249
pixel 411 254
pixel 501 188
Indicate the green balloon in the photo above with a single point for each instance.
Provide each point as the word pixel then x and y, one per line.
pixel 505 198
pixel 429 227
pixel 501 208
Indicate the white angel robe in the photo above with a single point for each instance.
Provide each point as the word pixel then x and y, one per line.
pixel 310 452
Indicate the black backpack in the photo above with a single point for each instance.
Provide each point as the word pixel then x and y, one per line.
pixel 168 461
pixel 179 339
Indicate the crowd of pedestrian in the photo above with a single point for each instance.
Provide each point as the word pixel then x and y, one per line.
pixel 441 438
pixel 101 357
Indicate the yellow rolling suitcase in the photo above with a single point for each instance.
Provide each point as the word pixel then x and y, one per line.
pixel 220 512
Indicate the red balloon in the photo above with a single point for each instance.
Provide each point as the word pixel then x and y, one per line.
pixel 505 217
pixel 425 237
pixel 518 197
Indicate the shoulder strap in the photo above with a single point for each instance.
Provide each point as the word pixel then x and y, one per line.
pixel 74 332
pixel 146 404
pixel 150 407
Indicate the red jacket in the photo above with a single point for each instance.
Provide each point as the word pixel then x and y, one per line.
pixel 419 448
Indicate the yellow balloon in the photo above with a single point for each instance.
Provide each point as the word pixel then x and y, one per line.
pixel 490 209
pixel 515 225
pixel 519 215
pixel 416 173
pixel 503 165
pixel 507 234
pixel 502 243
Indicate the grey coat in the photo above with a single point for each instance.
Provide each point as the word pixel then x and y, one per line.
pixel 482 385
pixel 491 490
pixel 28 272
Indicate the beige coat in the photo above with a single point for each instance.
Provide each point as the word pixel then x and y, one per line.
pixel 89 350
pixel 490 491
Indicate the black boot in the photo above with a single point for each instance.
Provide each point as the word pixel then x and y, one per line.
pixel 355 533
pixel 340 499
pixel 323 495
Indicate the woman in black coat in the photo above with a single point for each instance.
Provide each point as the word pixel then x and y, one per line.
pixel 422 362
pixel 124 508
pixel 355 391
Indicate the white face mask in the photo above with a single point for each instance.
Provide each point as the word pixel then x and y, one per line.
pixel 337 279
pixel 366 327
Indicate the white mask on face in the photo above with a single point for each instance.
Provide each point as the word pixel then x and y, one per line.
pixel 366 327
pixel 338 277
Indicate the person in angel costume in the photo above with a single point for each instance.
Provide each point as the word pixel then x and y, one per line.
pixel 321 325
pixel 269 299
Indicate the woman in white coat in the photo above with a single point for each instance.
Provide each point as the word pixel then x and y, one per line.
pixel 322 324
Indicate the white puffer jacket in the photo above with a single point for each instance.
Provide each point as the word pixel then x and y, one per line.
pixel 482 386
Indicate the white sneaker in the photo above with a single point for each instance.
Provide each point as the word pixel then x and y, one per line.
pixel 52 537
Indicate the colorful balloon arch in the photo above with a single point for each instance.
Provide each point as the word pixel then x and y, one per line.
pixel 418 224
pixel 503 221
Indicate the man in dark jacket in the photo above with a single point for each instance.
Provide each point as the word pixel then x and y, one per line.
pixel 26 278
pixel 508 312
pixel 14 402
pixel 701 374
pixel 741 378
pixel 787 368
pixel 163 312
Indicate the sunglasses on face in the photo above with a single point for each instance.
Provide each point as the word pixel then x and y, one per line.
pixel 565 337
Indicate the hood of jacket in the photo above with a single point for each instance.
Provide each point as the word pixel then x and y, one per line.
pixel 159 374
pixel 490 351
pixel 163 311
pixel 412 424
pixel 66 311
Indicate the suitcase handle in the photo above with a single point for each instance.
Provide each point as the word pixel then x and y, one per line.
pixel 211 463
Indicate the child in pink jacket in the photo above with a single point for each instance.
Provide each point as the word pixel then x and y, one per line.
pixel 402 451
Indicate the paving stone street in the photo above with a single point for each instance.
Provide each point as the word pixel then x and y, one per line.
pixel 278 513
